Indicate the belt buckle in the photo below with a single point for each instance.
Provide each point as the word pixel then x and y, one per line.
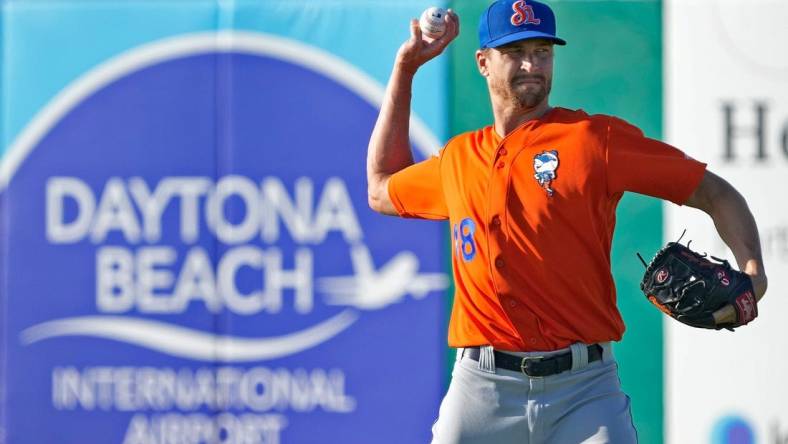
pixel 524 365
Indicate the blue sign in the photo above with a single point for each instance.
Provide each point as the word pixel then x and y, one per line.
pixel 189 257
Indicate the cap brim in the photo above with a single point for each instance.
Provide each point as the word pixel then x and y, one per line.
pixel 524 35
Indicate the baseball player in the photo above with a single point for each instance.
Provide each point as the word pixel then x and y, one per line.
pixel 531 202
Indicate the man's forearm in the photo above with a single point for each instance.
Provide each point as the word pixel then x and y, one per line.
pixel 389 146
pixel 737 228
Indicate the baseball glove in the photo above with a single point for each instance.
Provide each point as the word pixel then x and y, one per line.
pixel 689 287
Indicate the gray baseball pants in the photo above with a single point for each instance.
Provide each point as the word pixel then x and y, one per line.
pixel 485 405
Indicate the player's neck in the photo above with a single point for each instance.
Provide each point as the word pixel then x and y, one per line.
pixel 508 118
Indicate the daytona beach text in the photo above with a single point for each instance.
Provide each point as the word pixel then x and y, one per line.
pixel 143 278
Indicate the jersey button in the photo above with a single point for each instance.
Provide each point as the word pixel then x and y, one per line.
pixel 500 165
pixel 499 262
pixel 512 303
pixel 502 152
pixel 496 221
pixel 532 340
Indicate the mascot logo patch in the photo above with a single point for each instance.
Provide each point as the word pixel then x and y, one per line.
pixel 545 166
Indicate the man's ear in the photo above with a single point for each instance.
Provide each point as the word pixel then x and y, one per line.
pixel 481 62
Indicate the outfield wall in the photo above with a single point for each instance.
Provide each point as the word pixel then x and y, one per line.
pixel 726 96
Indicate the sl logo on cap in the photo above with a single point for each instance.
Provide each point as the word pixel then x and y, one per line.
pixel 523 14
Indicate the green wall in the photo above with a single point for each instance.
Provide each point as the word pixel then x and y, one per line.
pixel 612 64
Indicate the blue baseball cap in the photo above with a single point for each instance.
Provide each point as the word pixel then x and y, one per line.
pixel 506 21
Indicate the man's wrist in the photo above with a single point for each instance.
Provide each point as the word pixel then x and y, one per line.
pixel 404 68
pixel 754 269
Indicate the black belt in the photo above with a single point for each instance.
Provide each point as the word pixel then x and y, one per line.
pixel 536 365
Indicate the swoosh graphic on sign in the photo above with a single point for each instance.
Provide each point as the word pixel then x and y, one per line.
pixel 187 343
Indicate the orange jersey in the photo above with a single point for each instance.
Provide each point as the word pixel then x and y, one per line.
pixel 532 217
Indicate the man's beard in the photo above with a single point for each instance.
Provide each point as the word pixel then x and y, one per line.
pixel 522 95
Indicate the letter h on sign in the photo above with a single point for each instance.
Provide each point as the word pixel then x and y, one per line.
pixel 732 131
pixel 757 131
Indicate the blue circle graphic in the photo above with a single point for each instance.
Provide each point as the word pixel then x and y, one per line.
pixel 732 429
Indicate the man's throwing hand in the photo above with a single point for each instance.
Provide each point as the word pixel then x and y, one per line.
pixel 419 49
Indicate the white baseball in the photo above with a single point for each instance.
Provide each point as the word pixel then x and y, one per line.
pixel 431 22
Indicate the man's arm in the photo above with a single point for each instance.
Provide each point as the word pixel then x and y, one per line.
pixel 389 144
pixel 736 226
